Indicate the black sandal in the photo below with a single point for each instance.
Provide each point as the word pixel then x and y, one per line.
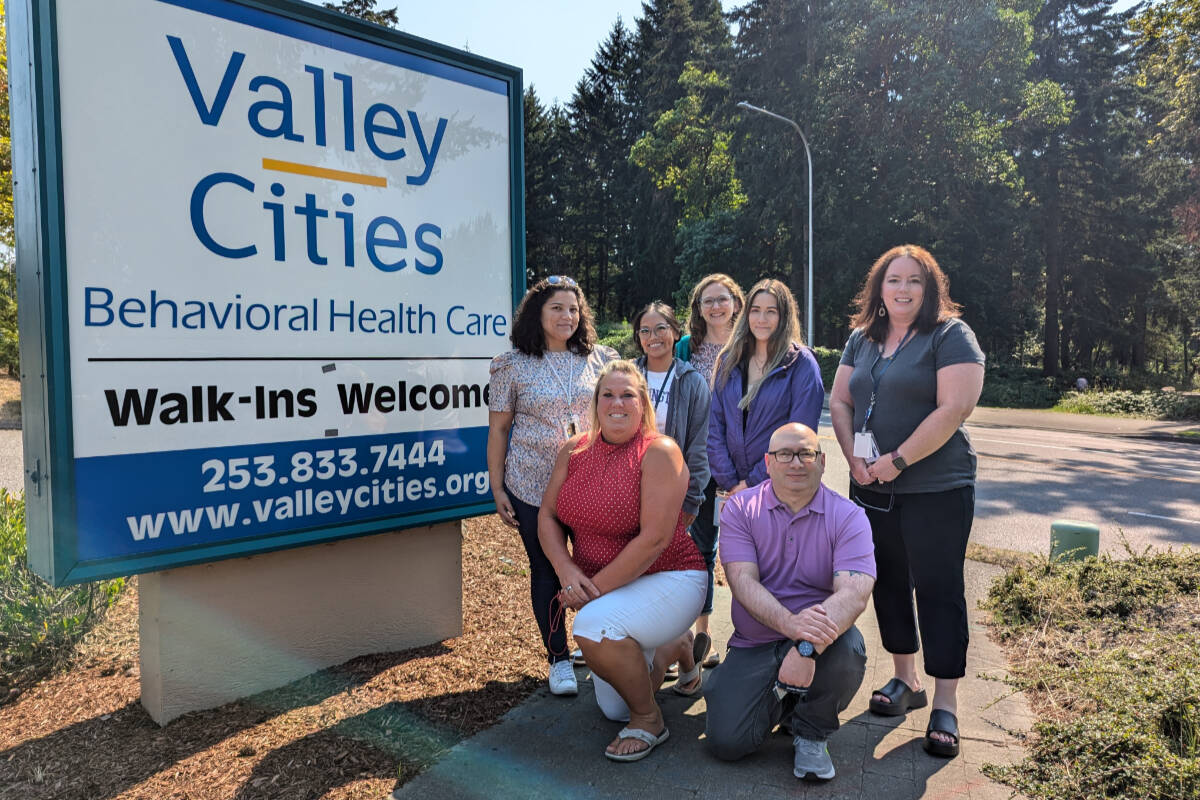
pixel 942 721
pixel 902 699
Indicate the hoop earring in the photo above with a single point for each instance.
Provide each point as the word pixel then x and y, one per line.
pixel 882 312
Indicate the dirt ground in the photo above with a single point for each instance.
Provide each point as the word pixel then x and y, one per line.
pixel 353 731
pixel 10 398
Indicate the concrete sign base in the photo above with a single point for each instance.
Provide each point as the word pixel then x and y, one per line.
pixel 216 632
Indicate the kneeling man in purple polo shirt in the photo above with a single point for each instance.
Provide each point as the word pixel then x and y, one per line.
pixel 800 563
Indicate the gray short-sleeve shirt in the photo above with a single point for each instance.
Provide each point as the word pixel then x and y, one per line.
pixel 908 394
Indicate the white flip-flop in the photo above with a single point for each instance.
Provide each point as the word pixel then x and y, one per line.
pixel 642 736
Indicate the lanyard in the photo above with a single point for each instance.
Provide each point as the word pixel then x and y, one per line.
pixel 658 396
pixel 565 386
pixel 882 372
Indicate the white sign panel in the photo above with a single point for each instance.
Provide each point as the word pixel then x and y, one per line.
pixel 289 259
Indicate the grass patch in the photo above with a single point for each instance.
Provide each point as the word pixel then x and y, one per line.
pixel 1000 557
pixel 39 625
pixel 1109 652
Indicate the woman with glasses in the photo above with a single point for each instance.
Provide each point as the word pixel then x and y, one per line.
pixel 765 377
pixel 538 398
pixel 716 302
pixel 633 574
pixel 681 401
pixel 909 377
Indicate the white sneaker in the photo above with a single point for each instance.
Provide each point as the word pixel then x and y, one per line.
pixel 562 678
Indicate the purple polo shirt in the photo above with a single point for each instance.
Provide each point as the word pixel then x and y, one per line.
pixel 796 554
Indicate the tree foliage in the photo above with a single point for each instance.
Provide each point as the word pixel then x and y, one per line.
pixel 365 9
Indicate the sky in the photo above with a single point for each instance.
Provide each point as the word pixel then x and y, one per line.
pixel 553 41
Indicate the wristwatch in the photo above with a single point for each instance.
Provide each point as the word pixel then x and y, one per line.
pixel 805 649
pixel 898 462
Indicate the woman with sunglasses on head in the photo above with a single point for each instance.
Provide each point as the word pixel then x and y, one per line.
pixel 538 398
pixel 633 574
pixel 681 401
pixel 909 377
pixel 765 377
pixel 716 302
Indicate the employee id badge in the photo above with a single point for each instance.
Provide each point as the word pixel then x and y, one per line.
pixel 865 446
pixel 572 426
pixel 718 504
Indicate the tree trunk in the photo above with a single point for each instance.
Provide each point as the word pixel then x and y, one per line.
pixel 1053 253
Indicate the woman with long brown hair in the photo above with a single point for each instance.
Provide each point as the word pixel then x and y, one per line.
pixel 765 378
pixel 909 377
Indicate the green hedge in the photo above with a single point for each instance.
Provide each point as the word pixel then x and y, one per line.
pixel 39 625
pixel 1152 405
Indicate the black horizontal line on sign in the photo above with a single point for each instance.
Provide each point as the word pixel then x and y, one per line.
pixel 302 358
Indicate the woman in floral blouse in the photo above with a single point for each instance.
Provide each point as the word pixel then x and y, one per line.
pixel 539 397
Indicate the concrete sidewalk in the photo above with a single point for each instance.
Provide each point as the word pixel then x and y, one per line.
pixel 554 747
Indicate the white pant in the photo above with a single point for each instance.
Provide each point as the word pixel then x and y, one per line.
pixel 652 610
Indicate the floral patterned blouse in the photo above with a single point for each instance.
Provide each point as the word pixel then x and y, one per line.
pixel 546 394
pixel 704 358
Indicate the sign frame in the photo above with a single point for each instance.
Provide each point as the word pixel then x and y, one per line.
pixel 42 272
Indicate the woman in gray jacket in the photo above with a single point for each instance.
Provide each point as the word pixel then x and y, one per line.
pixel 681 399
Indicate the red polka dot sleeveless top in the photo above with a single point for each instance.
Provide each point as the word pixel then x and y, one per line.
pixel 601 502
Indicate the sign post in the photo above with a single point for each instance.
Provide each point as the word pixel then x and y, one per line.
pixel 265 253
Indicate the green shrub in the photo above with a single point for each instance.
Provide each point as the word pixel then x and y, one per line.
pixel 619 336
pixel 828 358
pixel 39 625
pixel 1112 645
pixel 1008 386
pixel 1148 404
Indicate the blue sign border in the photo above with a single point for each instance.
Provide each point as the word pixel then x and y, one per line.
pixel 50 481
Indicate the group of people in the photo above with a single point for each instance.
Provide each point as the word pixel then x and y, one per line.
pixel 622 476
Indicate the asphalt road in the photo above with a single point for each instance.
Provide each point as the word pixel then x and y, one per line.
pixel 1144 490
pixel 1147 491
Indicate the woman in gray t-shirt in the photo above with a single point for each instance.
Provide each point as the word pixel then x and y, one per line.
pixel 909 377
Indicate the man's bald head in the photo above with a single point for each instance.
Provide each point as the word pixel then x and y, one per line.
pixel 794 436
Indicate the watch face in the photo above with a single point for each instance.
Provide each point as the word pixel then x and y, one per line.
pixel 804 648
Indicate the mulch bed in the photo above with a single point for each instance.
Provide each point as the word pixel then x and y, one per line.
pixel 354 731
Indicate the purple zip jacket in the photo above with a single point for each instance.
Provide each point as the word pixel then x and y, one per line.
pixel 792 392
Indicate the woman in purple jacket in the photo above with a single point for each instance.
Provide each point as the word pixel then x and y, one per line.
pixel 765 377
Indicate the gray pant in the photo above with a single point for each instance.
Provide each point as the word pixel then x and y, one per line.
pixel 743 706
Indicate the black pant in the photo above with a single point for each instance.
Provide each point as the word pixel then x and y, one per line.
pixel 704 533
pixel 543 581
pixel 921 545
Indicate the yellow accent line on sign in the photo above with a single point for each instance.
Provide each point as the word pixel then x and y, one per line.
pixel 322 172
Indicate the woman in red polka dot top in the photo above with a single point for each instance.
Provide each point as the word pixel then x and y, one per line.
pixel 634 574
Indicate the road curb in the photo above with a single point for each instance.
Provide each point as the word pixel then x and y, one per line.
pixel 1160 436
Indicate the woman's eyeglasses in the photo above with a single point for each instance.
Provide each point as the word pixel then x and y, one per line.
pixel 562 280
pixel 720 300
pixel 657 330
pixel 785 456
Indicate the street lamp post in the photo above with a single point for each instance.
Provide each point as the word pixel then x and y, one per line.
pixel 808 155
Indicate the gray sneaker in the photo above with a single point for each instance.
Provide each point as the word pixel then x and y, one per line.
pixel 812 760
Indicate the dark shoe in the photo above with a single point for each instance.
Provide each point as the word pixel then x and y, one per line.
pixel 713 659
pixel 942 721
pixel 902 699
